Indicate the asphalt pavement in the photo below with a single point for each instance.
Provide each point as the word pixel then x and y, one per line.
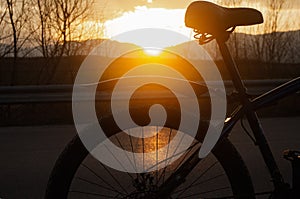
pixel 27 154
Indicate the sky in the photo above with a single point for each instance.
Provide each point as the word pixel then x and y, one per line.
pixel 113 6
pixel 126 15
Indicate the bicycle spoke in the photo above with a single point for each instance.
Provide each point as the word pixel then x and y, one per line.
pixel 92 194
pixel 93 172
pixel 167 159
pixel 204 192
pixel 205 181
pixel 118 162
pixel 223 197
pixel 143 145
pixel 160 162
pixel 124 150
pixel 256 194
pixel 187 152
pixel 115 178
pixel 156 154
pixel 96 184
pixel 210 179
pixel 123 184
pixel 164 170
pixel 204 172
pixel 133 154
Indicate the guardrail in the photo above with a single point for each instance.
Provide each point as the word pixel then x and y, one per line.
pixel 63 93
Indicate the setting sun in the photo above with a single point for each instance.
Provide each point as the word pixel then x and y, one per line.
pixel 152 51
pixel 143 17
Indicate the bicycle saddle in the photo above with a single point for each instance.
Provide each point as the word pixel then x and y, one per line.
pixel 207 17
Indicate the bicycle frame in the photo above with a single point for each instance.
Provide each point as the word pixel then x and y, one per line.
pixel 247 107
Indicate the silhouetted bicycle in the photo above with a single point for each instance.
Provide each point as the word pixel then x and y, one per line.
pixel 222 174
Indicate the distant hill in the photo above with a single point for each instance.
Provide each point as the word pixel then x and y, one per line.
pixel 249 47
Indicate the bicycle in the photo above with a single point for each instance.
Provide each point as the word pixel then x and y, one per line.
pixel 184 177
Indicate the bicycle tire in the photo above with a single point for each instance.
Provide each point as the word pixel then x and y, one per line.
pixel 68 163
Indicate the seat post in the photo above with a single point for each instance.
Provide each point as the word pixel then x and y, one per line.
pixel 232 68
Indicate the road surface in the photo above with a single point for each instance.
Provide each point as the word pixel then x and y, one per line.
pixel 28 154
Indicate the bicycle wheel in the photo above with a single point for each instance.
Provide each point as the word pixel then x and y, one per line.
pixel 222 174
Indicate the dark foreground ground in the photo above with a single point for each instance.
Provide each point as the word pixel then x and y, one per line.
pixel 28 154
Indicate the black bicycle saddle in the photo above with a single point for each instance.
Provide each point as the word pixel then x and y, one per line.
pixel 207 17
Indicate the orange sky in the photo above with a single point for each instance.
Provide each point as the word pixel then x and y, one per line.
pixel 117 7
pixel 126 15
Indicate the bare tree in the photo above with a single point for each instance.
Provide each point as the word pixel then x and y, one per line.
pixel 18 13
pixel 4 34
pixel 66 18
pixel 69 14
pixel 44 34
pixel 59 24
pixel 18 18
pixel 13 24
pixel 235 40
pixel 272 45
pixel 275 43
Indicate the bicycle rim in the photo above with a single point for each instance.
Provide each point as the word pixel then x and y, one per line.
pixel 89 178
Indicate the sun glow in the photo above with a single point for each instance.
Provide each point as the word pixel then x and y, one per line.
pixel 152 51
pixel 144 17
